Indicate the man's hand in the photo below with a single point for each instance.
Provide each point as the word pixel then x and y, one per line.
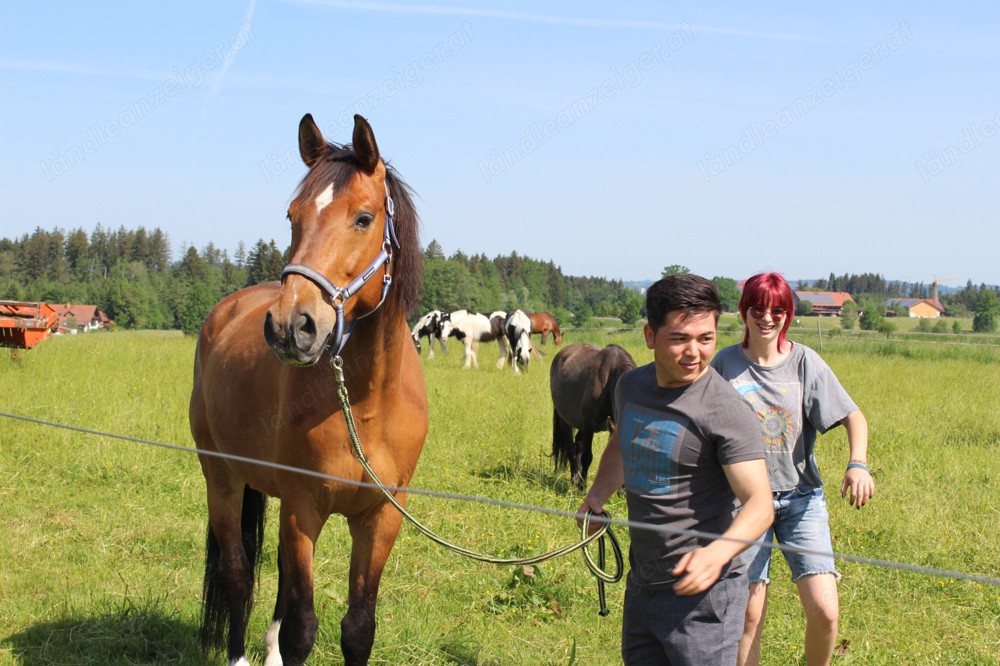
pixel 593 505
pixel 699 568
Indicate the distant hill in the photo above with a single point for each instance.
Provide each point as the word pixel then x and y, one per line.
pixel 640 285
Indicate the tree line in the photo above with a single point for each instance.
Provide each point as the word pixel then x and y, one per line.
pixel 131 276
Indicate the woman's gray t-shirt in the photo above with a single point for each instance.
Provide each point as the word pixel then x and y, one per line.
pixel 674 442
pixel 794 400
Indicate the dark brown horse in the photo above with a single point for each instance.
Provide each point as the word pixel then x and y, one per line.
pixel 582 379
pixel 260 392
pixel 544 323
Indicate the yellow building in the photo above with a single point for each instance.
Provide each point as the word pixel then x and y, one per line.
pixel 927 308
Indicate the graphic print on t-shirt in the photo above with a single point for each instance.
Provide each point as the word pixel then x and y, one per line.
pixel 775 406
pixel 647 438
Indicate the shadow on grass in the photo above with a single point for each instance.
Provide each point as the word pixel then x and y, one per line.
pixel 123 636
pixel 556 482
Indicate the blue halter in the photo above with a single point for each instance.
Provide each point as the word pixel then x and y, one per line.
pixel 339 295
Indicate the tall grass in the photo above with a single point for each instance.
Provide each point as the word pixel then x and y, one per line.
pixel 103 538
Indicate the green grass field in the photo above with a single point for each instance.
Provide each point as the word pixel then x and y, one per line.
pixel 103 538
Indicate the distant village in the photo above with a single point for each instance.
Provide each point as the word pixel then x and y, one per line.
pixel 23 324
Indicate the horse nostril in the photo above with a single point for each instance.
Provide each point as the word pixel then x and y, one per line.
pixel 304 331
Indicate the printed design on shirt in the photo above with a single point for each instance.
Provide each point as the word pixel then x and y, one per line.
pixel 771 403
pixel 778 425
pixel 647 439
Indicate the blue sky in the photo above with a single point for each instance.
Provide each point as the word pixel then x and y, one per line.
pixel 612 140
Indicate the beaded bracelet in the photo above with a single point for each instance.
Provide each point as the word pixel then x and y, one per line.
pixel 857 465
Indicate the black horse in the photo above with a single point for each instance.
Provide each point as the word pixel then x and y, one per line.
pixel 582 379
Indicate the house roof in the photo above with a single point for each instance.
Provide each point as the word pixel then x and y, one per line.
pixel 824 298
pixel 83 314
pixel 910 302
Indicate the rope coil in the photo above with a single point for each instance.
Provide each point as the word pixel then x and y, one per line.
pixel 596 568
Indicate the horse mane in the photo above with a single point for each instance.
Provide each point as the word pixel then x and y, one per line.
pixel 339 167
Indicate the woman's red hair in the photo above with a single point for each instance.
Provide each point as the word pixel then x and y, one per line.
pixel 768 290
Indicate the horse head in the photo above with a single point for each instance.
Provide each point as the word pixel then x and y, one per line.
pixel 344 237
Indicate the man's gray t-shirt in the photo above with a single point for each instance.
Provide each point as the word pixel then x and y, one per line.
pixel 674 442
pixel 794 400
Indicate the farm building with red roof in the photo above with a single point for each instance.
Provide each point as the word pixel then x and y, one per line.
pixel 825 303
pixel 82 318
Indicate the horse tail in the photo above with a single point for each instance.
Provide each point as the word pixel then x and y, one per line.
pixel 214 603
pixel 562 441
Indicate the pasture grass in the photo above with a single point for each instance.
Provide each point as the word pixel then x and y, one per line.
pixel 103 538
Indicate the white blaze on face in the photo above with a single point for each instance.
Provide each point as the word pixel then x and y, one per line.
pixel 324 199
pixel 242 661
pixel 271 641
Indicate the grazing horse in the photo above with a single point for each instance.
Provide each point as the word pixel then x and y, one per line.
pixel 517 331
pixel 544 323
pixel 261 393
pixel 428 326
pixel 471 328
pixel 582 379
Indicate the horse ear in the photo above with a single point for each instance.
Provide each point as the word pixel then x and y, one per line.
pixel 312 145
pixel 365 148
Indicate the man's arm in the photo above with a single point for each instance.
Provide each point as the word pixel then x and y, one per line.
pixel 703 566
pixel 609 478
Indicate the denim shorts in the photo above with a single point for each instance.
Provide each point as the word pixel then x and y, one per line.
pixel 800 520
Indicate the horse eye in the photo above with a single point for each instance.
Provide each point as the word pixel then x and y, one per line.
pixel 364 220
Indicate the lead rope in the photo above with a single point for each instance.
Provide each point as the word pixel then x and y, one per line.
pixel 597 569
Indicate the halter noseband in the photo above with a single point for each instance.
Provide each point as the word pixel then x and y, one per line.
pixel 339 295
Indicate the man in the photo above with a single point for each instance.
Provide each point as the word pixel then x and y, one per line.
pixel 686 448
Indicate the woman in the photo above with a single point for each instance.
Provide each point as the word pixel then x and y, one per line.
pixel 796 396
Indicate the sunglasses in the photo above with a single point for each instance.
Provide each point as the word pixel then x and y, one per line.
pixel 758 312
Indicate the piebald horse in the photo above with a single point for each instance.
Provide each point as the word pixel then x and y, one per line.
pixel 261 393
pixel 471 328
pixel 428 326
pixel 517 330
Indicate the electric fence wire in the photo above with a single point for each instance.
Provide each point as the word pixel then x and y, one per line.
pixel 597 519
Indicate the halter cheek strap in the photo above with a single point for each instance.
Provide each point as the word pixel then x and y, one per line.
pixel 339 295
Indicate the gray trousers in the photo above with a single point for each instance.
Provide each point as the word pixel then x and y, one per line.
pixel 660 628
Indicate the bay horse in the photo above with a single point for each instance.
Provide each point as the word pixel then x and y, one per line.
pixel 261 393
pixel 582 379
pixel 544 323
pixel 428 326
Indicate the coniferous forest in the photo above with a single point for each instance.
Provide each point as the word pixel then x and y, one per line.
pixel 132 276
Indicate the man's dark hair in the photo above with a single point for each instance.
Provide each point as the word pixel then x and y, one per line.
pixel 687 293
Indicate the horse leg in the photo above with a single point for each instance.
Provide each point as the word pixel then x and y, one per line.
pixel 372 537
pixel 280 609
pixel 504 351
pixel 585 450
pixel 236 515
pixel 582 457
pixel 472 354
pixel 300 527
